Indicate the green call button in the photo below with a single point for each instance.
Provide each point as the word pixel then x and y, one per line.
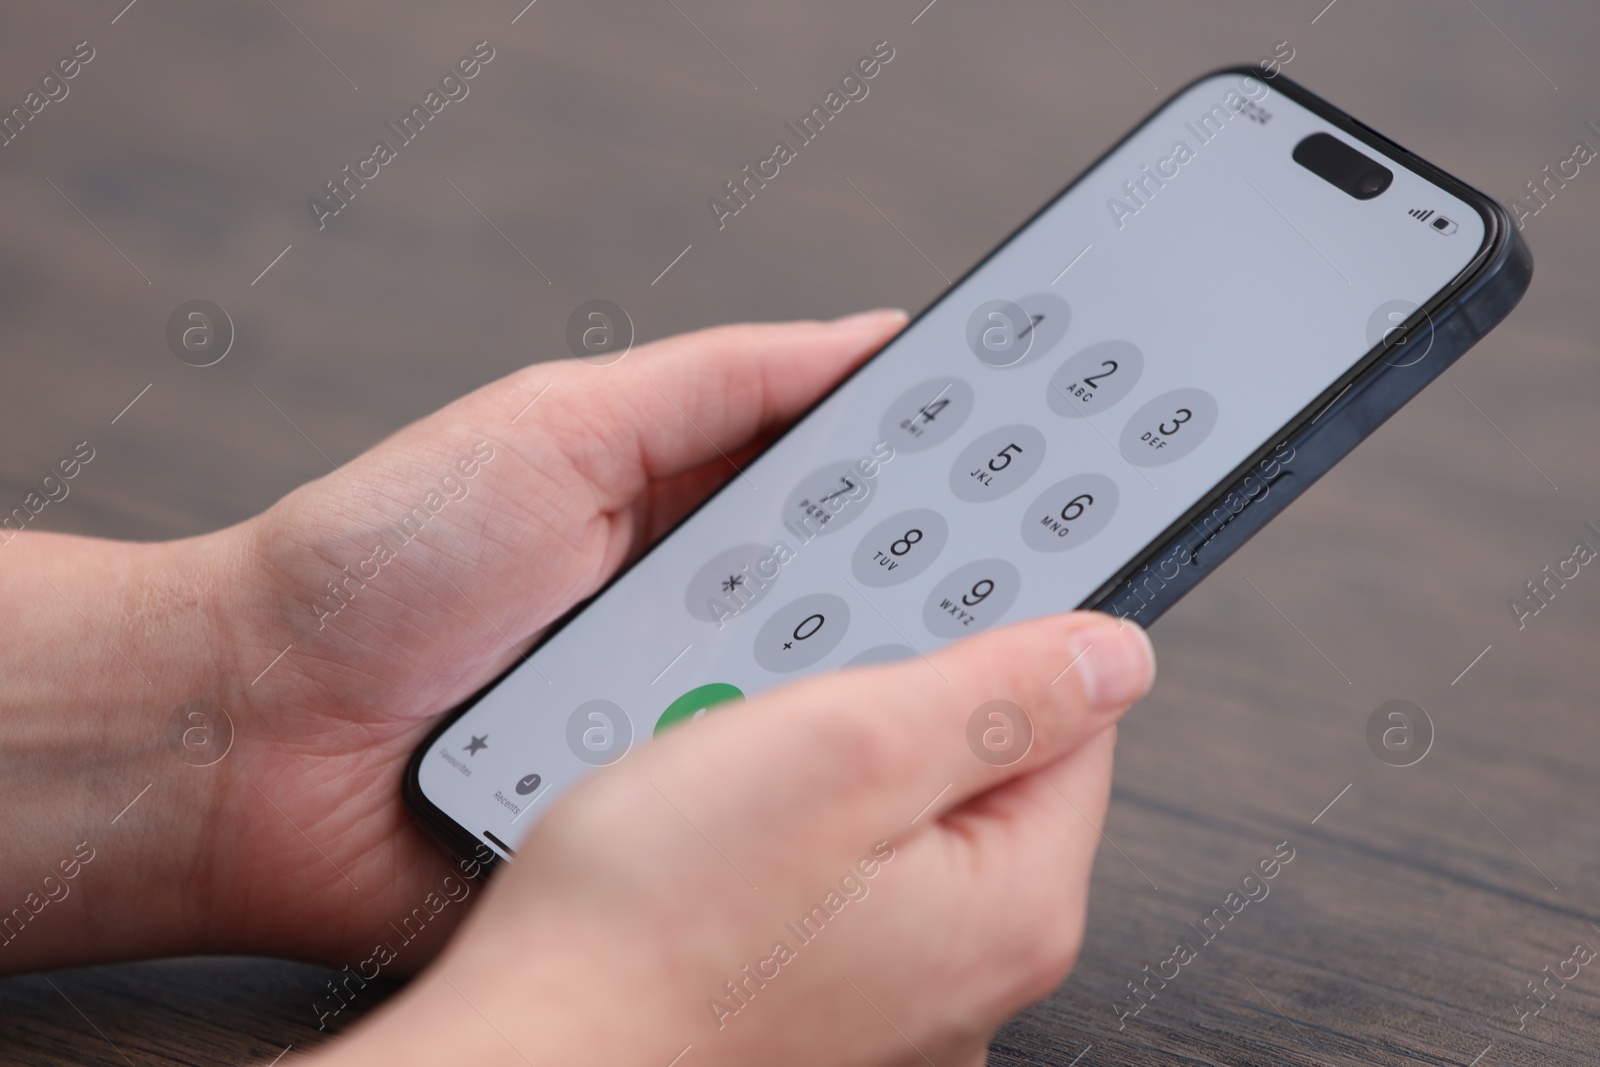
pixel 695 703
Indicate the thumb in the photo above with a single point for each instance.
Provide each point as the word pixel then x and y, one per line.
pixel 888 750
pixel 680 403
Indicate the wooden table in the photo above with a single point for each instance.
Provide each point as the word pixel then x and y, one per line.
pixel 1420 900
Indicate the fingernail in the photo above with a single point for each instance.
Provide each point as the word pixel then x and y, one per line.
pixel 1115 663
pixel 881 315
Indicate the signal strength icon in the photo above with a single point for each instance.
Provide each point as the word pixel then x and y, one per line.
pixel 1421 214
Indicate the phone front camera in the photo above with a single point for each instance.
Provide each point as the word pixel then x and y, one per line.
pixel 1374 182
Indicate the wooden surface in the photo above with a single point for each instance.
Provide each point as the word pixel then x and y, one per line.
pixel 1417 906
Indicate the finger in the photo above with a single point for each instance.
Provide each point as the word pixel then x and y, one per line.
pixel 886 748
pixel 664 504
pixel 680 403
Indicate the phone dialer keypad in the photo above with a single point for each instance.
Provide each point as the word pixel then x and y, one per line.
pixel 1095 379
pixel 997 463
pixel 900 547
pixel 927 414
pixel 828 499
pixel 971 598
pixel 1169 427
pixel 1069 513
pixel 802 632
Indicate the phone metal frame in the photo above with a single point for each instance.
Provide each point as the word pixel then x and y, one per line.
pixel 1320 435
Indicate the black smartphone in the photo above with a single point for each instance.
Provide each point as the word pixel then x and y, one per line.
pixel 1095 416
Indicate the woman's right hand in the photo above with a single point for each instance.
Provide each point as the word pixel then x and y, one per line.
pixel 847 870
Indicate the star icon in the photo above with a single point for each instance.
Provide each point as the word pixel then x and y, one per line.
pixel 475 744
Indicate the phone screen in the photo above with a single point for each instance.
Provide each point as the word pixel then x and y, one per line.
pixel 1021 443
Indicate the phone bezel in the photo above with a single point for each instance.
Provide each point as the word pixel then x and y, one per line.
pixel 1497 238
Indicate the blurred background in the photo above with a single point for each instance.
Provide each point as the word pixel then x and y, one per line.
pixel 1419 904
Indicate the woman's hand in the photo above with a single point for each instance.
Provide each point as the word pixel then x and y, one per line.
pixel 827 874
pixel 329 632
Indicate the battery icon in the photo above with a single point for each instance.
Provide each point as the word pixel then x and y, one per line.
pixel 1442 225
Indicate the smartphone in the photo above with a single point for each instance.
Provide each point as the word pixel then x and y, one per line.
pixel 1095 416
